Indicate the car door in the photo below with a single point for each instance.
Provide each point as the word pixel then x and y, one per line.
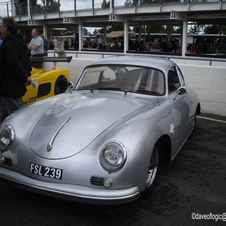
pixel 180 101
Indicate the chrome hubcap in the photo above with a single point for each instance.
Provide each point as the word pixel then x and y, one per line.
pixel 153 167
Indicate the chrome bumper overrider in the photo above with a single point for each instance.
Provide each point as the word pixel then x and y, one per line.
pixel 71 192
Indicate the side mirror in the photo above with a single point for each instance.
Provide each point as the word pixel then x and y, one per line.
pixel 70 86
pixel 181 90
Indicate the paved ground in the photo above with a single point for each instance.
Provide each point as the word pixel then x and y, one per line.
pixel 194 183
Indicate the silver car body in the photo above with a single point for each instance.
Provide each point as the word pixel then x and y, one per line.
pixel 65 134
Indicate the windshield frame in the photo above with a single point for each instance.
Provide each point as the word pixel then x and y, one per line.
pixel 103 83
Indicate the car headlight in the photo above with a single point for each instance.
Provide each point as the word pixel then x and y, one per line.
pixel 6 137
pixel 113 156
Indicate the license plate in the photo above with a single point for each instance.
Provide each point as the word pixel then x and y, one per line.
pixel 46 171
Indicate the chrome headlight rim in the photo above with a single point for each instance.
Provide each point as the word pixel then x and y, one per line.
pixel 106 165
pixel 5 147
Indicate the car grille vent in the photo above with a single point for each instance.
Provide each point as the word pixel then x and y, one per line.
pixel 8 161
pixel 98 181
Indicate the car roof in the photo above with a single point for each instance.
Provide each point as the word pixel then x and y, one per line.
pixel 145 61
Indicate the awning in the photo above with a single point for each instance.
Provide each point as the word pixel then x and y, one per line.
pixel 115 34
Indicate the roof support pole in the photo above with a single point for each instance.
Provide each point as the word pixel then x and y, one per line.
pixel 126 38
pixel 105 34
pixel 45 31
pixel 111 6
pixel 13 7
pixel 50 34
pixel 140 31
pixel 184 38
pixel 80 37
pixel 29 9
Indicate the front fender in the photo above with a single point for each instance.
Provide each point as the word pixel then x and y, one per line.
pixel 139 133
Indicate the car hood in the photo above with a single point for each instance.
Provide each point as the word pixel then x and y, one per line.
pixel 75 120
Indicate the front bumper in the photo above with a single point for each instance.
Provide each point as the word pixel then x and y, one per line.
pixel 71 192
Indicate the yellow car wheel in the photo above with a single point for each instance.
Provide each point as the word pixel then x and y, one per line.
pixel 60 85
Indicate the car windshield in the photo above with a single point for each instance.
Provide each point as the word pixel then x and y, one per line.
pixel 123 78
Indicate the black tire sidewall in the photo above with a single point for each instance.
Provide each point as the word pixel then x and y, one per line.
pixel 59 80
pixel 148 190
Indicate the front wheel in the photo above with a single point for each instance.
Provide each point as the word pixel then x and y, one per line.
pixel 153 170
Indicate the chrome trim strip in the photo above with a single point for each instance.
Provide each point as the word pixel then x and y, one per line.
pixel 50 144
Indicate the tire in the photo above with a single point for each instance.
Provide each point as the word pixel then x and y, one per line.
pixel 3 110
pixel 60 85
pixel 197 112
pixel 153 170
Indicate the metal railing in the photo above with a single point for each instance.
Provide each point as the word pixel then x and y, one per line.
pixel 57 6
pixel 96 55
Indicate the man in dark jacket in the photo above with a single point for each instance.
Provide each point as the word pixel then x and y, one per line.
pixel 15 66
pixel 115 46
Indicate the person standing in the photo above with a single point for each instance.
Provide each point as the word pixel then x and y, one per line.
pixel 103 46
pixel 15 66
pixel 46 44
pixel 115 46
pixel 23 6
pixel 36 46
pixel 75 43
pixel 104 4
pixel 59 48
pixel 99 41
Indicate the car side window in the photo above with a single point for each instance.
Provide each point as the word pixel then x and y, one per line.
pixel 181 76
pixel 173 80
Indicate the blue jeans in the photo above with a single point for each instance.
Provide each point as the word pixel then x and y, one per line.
pixel 13 104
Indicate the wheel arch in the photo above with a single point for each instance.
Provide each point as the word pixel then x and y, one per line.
pixel 164 144
pixel 62 76
pixel 198 109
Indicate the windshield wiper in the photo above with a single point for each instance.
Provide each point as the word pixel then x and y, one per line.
pixel 109 88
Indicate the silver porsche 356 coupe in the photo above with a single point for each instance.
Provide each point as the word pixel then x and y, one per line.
pixel 104 139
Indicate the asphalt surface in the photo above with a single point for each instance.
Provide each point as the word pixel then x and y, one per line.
pixel 192 185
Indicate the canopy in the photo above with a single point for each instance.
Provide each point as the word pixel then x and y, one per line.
pixel 115 34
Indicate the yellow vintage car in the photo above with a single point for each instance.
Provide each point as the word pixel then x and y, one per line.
pixel 51 82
